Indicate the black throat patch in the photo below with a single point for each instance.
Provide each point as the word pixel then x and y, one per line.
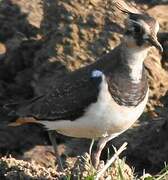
pixel 124 91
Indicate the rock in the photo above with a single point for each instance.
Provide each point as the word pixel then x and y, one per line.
pixel 2 51
pixel 43 155
pixel 33 9
pixel 159 13
pixel 157 78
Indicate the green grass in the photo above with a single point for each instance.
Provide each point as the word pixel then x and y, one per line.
pixel 163 175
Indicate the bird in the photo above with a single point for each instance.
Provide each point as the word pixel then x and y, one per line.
pixel 101 100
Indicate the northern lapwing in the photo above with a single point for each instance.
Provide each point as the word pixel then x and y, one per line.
pixel 102 100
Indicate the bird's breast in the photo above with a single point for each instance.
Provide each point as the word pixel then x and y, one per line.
pixel 106 116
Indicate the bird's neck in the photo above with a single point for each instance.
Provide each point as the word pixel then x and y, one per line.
pixel 132 58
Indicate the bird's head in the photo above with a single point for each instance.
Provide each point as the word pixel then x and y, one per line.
pixel 141 31
pixel 141 28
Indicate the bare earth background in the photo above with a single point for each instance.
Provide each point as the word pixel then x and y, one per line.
pixel 41 41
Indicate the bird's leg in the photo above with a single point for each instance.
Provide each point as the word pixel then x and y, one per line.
pixel 52 138
pixel 96 155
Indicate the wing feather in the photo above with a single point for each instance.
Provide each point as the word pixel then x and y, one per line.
pixel 69 98
pixel 67 101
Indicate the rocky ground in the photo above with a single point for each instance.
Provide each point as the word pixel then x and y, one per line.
pixel 41 40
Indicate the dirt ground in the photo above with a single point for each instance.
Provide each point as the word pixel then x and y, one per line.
pixel 41 40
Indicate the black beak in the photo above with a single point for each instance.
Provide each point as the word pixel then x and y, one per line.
pixel 153 40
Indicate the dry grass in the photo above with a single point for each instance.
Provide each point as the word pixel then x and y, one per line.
pixel 81 169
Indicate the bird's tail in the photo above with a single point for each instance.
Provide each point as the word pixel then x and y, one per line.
pixel 22 120
pixel 15 112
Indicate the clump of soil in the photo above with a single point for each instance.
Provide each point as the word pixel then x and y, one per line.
pixel 12 169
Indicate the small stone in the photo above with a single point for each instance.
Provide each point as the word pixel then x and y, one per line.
pixel 2 49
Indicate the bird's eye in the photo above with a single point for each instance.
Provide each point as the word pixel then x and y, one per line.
pixel 137 29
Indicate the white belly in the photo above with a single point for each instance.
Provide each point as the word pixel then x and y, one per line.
pixel 103 118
